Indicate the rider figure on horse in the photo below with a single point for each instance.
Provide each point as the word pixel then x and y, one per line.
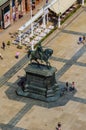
pixel 40 54
pixel 40 51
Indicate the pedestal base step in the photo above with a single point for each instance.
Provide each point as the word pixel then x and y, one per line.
pixel 46 98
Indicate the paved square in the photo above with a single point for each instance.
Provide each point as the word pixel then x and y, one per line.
pixel 19 113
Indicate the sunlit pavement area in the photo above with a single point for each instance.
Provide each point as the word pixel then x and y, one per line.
pixel 19 113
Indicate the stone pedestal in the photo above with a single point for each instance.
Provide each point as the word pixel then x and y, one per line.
pixel 40 83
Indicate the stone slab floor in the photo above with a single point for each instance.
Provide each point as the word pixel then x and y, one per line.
pixel 19 113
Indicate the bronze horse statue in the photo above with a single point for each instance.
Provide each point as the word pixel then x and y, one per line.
pixel 40 55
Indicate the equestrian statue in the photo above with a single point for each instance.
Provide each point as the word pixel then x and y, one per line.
pixel 40 54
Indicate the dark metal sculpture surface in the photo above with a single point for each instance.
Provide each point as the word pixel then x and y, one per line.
pixel 40 80
pixel 39 54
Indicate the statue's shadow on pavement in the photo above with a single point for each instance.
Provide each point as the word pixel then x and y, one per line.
pixel 9 127
pixel 61 101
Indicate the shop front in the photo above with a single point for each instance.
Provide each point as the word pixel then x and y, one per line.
pixel 4 14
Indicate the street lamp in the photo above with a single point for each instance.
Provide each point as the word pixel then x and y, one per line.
pixel 47 15
pixel 31 17
pixel 59 19
pixel 47 10
pixel 82 2
pixel 32 44
pixel 20 39
pixel 44 20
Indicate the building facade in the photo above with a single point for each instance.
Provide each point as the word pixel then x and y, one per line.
pixel 4 13
pixel 18 8
pixel 11 10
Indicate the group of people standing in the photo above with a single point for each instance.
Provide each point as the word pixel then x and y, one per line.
pixel 3 47
pixel 70 88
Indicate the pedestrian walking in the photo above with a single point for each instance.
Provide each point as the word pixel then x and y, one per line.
pixel 67 86
pixel 17 55
pixel 14 16
pixel 84 39
pixel 80 40
pixel 58 126
pixel 1 57
pixel 3 45
pixel 73 85
pixel 72 88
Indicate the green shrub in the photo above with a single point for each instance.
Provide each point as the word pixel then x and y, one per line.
pixel 19 46
pixel 8 43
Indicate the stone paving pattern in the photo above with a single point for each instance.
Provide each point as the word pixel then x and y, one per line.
pixel 19 113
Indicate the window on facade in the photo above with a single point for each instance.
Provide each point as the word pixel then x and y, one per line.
pixel 33 1
pixel 6 9
pixel 19 2
pixel 13 3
